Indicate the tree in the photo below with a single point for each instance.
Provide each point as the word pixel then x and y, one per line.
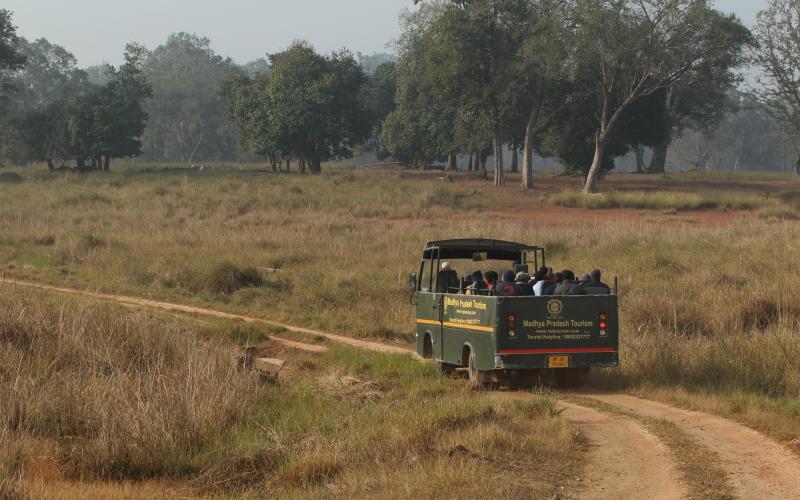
pixel 35 121
pixel 308 106
pixel 379 96
pixel 547 72
pixel 10 57
pixel 423 125
pixel 10 60
pixel 187 115
pixel 632 49
pixel 700 98
pixel 777 55
pixel 107 122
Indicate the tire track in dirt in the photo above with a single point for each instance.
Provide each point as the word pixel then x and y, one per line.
pixel 625 459
pixel 758 467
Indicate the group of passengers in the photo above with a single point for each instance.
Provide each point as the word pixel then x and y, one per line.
pixel 543 282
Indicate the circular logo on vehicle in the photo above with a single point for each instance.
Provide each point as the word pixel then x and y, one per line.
pixel 555 307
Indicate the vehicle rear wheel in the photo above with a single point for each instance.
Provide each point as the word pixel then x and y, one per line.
pixel 472 369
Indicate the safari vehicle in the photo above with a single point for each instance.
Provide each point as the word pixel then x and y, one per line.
pixel 495 337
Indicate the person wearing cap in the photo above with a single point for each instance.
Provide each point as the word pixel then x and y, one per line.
pixel 508 287
pixel 569 286
pixel 523 282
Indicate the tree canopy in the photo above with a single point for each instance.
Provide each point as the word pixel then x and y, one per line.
pixel 309 106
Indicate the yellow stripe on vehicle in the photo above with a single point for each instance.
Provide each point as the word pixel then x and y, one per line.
pixel 427 322
pixel 477 328
pixel 488 329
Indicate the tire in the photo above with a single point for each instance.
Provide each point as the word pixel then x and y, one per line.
pixel 472 369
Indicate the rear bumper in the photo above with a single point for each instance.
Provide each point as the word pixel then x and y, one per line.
pixel 538 360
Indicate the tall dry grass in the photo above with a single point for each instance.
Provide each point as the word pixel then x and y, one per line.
pixel 110 395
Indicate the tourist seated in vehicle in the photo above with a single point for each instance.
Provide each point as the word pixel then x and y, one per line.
pixel 585 278
pixel 523 281
pixel 492 279
pixel 447 279
pixel 569 285
pixel 550 287
pixel 540 280
pixel 478 284
pixel 508 287
pixel 595 286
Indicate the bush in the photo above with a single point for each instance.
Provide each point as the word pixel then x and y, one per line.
pixel 227 278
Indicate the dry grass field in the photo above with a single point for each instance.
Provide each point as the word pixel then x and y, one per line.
pixel 707 265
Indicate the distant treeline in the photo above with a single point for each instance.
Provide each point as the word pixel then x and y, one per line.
pixel 584 82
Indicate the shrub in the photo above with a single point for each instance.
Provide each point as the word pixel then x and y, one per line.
pixel 227 278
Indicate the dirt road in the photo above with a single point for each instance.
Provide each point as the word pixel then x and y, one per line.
pixel 626 460
pixel 757 466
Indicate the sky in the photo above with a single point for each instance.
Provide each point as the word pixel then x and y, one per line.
pixel 96 31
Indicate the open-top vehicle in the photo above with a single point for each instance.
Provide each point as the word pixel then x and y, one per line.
pixel 493 336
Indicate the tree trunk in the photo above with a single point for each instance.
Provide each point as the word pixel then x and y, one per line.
pixel 527 155
pixel 597 163
pixel 499 173
pixel 514 157
pixel 639 151
pixel 797 166
pixel 315 165
pixel 50 165
pixel 482 157
pixel 288 164
pixel 451 162
pixel 469 162
pixel 658 163
pixel 302 167
pixel 107 164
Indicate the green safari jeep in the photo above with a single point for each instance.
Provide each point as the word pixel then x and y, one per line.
pixel 493 336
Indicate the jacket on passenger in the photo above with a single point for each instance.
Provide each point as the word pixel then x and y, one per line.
pixel 506 289
pixel 569 288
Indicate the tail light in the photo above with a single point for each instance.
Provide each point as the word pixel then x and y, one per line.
pixel 603 325
pixel 512 325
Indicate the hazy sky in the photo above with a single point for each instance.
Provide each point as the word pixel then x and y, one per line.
pixel 96 31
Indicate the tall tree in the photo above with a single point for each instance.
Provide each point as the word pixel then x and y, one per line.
pixel 108 122
pixel 777 55
pixel 10 60
pixel 187 116
pixel 699 99
pixel 546 69
pixel 309 106
pixel 379 95
pixel 35 128
pixel 633 49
